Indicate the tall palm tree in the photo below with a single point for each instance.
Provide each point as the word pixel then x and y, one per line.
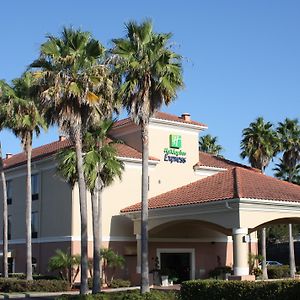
pixel 101 167
pixel 151 76
pixel 286 173
pixel 289 135
pixel 5 217
pixel 260 144
pixel 208 143
pixel 75 81
pixel 4 88
pixel 24 119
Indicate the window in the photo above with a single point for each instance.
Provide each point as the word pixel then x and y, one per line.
pixel 9 227
pixel 34 224
pixel 9 191
pixel 35 186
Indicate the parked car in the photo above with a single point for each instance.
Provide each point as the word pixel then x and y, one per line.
pixel 272 263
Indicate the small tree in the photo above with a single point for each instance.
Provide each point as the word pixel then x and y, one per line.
pixel 67 265
pixel 111 260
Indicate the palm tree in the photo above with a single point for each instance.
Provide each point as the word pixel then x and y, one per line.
pixel 151 75
pixel 289 135
pixel 75 81
pixel 111 260
pixel 260 144
pixel 66 264
pixel 5 217
pixel 208 144
pixel 24 119
pixel 101 167
pixel 3 124
pixel 286 173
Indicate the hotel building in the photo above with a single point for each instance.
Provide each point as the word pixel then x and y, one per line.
pixel 204 210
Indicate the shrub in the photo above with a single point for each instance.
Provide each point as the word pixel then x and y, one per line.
pixel 234 290
pixel 219 272
pixel 66 264
pixel 20 285
pixel 117 283
pixel 45 277
pixel 277 272
pixel 128 295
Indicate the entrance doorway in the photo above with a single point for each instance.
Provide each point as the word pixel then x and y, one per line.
pixel 178 264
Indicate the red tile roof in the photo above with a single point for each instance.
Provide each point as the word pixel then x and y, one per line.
pixel 231 184
pixel 54 147
pixel 162 116
pixel 210 160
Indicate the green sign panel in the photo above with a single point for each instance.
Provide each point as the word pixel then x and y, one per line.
pixel 175 141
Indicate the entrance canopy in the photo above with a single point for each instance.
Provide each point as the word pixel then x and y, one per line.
pixel 234 202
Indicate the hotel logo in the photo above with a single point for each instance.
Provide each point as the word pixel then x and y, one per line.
pixel 175 141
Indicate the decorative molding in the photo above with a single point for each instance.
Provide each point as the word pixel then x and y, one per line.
pixel 225 239
pixel 177 124
pixel 68 238
pixel 236 231
pixel 137 160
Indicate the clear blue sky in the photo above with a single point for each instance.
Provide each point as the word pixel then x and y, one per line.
pixel 241 58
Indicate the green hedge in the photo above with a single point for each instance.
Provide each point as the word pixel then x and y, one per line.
pixel 277 272
pixel 236 290
pixel 118 283
pixel 20 285
pixel 128 295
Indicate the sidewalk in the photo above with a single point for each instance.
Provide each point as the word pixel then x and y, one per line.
pixel 35 295
pixel 47 295
pixel 56 294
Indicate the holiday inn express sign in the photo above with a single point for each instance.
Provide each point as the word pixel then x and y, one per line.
pixel 174 153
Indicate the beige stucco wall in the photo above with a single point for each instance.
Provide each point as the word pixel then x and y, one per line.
pixel 53 205
pixel 255 213
pixel 120 194
pixel 167 175
pixel 163 177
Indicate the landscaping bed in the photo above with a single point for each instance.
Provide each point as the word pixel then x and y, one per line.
pixel 236 290
pixel 127 295
pixel 20 285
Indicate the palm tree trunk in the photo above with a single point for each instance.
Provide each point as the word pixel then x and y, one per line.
pixel 5 217
pixel 144 211
pixel 83 214
pixel 100 231
pixel 28 149
pixel 96 237
pixel 264 254
pixel 292 252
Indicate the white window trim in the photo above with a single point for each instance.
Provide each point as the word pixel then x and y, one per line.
pixel 179 250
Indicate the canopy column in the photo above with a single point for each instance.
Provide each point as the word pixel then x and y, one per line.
pixel 240 251
pixel 138 258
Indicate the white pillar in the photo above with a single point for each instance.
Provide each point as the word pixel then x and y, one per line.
pixel 138 257
pixel 240 251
